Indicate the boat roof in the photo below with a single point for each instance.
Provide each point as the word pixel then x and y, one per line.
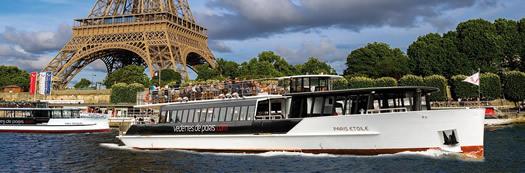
pixel 39 109
pixel 212 101
pixel 398 89
pixel 312 76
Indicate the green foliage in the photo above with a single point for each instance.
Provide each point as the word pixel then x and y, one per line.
pixel 124 93
pixel 228 69
pixel 411 80
pixel 167 76
pixel 340 84
pixel 129 74
pixel 385 82
pixel 205 72
pixel 83 84
pixel 479 41
pixel 432 54
pixel 463 90
pixel 514 88
pixel 278 63
pixel 377 60
pixel 510 42
pixel 360 82
pixel 315 66
pixel 439 82
pixel 11 75
pixel 255 69
pixel 490 86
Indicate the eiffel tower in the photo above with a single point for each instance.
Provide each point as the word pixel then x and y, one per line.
pixel 158 34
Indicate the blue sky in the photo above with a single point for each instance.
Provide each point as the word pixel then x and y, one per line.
pixel 32 31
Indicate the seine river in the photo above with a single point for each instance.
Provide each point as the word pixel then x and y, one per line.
pixel 504 152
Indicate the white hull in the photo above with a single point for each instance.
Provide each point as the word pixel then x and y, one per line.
pixel 71 125
pixel 352 134
pixel 495 122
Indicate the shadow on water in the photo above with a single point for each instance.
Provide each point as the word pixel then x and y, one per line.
pixel 103 153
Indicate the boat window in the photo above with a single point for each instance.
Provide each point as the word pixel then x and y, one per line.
pixel 178 117
pixel 191 115
pixel 66 114
pixel 173 117
pixel 216 113
pixel 209 114
pixel 262 108
pixel 162 118
pixel 251 113
pixel 236 113
pixel 244 113
pixel 196 116
pixel 306 85
pixel 185 116
pixel 229 114
pixel 56 113
pixel 222 115
pixel 204 112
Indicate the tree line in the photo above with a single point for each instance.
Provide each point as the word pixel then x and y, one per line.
pixel 493 47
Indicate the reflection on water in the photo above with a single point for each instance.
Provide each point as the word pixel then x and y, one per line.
pixel 104 153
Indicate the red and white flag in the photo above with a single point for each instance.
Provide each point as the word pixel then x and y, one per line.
pixel 474 79
pixel 32 83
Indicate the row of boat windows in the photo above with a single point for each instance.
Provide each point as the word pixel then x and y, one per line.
pixel 39 113
pixel 217 114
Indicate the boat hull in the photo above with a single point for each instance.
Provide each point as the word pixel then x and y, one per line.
pixel 72 125
pixel 353 134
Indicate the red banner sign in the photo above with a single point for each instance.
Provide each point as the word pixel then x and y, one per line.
pixel 32 84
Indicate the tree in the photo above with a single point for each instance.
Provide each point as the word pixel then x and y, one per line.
pixel 411 80
pixel 11 75
pixel 228 69
pixel 479 41
pixel 509 42
pixel 128 75
pixel 205 72
pixel 514 88
pixel 463 90
pixel 315 66
pixel 83 84
pixel 277 62
pixel 490 86
pixel 360 82
pixel 385 82
pixel 255 69
pixel 124 93
pixel 167 76
pixel 439 82
pixel 432 54
pixel 377 60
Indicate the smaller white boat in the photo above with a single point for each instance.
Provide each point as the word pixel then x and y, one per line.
pixel 51 120
pixel 492 119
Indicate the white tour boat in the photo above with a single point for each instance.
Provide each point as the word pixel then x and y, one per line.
pixel 51 120
pixel 313 118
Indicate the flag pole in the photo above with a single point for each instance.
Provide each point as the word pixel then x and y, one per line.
pixel 479 88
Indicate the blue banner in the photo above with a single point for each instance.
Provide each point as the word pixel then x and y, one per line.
pixel 49 83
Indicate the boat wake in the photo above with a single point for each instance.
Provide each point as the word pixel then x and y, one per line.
pixel 433 153
pixel 115 146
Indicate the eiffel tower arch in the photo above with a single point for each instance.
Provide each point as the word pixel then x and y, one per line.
pixel 158 34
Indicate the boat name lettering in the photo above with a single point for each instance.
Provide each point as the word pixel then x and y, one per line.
pixel 351 129
pixel 12 122
pixel 195 128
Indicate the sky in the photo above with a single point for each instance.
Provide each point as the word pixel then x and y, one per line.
pixel 33 31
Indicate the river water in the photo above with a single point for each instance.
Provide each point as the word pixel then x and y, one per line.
pixel 504 152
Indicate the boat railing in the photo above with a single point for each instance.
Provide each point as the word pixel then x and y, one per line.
pixel 388 110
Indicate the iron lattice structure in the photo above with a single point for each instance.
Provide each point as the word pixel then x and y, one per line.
pixel 158 34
